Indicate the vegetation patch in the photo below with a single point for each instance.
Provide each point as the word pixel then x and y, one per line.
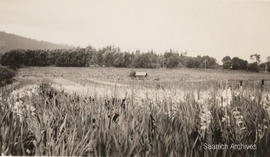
pixel 6 75
pixel 42 121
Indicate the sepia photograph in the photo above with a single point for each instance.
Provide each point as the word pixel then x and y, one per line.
pixel 135 78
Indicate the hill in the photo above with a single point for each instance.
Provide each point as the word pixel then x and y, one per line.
pixel 11 41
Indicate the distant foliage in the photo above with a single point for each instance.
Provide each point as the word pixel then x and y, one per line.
pixel 265 66
pixel 113 57
pixel 14 58
pixel 201 62
pixel 108 56
pixel 238 64
pixel 146 60
pixel 253 67
pixel 193 62
pixel 171 59
pixel 227 62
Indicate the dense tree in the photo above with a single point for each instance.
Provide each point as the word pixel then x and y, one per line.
pixel 193 62
pixel 145 60
pixel 128 58
pixel 208 62
pixel 253 67
pixel 201 62
pixel 227 62
pixel 239 64
pixel 118 60
pixel 171 59
pixel 14 58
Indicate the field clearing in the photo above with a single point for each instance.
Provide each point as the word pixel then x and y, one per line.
pixel 120 76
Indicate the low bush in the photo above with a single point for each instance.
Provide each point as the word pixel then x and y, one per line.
pixel 6 75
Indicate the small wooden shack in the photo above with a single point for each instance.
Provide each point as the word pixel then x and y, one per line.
pixel 140 74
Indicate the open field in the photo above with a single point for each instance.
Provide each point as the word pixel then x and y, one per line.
pixel 165 77
pixel 170 75
pixel 104 112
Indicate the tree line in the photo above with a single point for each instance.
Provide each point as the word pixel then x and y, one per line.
pixel 237 63
pixel 108 56
pixel 113 57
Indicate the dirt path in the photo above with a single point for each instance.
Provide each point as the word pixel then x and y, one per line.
pixel 106 83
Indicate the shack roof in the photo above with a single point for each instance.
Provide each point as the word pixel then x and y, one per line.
pixel 141 74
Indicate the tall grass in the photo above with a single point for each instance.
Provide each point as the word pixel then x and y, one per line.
pixel 40 120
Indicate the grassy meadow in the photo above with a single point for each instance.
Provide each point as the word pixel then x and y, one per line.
pixel 104 112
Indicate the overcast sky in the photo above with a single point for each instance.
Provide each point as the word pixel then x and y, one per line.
pixel 202 27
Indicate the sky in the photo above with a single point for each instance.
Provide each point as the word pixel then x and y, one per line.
pixel 201 27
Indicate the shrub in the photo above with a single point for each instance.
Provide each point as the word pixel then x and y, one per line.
pixel 6 75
